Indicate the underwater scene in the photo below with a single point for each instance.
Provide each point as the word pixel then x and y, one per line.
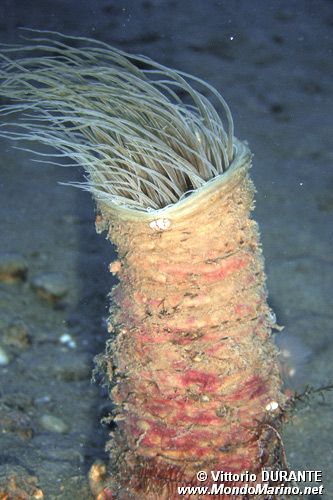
pixel 199 135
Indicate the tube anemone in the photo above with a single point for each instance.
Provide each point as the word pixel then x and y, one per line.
pixel 191 363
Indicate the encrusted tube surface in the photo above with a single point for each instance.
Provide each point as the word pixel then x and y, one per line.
pixel 194 368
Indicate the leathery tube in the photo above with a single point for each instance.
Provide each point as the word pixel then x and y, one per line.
pixel 194 368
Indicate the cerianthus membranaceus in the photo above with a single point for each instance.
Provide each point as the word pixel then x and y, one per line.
pixel 191 363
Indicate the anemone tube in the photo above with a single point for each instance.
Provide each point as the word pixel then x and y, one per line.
pixel 191 362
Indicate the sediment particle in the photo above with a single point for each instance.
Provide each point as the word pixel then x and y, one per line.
pixel 13 267
pixel 50 286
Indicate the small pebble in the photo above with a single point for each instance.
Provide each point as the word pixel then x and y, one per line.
pixel 272 406
pixel 4 357
pixel 15 421
pixel 50 286
pixel 13 267
pixel 16 334
pixel 53 424
pixel 160 224
pixel 114 267
pixel 42 400
pixel 68 340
